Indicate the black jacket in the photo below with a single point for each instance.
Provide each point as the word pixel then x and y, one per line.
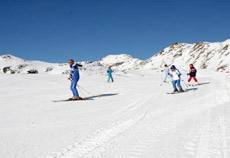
pixel 192 72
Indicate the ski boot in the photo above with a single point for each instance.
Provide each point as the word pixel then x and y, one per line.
pixel 76 98
pixel 175 90
pixel 181 90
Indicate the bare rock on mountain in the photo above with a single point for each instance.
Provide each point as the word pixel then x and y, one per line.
pixel 204 55
pixel 32 71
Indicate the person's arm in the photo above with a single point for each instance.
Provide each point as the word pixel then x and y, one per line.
pixel 189 72
pixel 195 72
pixel 178 73
pixel 79 65
pixel 170 74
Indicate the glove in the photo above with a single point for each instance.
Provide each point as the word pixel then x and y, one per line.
pixel 70 77
pixel 79 65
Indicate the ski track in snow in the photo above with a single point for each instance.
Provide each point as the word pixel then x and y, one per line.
pixel 142 121
pixel 205 136
pixel 100 137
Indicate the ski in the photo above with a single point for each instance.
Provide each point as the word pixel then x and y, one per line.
pixel 193 85
pixel 67 100
pixel 177 92
pixel 174 92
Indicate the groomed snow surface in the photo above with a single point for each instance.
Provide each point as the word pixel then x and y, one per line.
pixel 131 118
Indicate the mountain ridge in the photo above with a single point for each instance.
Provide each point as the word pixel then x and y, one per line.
pixel 203 55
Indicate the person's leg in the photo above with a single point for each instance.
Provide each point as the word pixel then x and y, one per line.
pixel 108 78
pixel 195 79
pixel 189 79
pixel 165 77
pixel 111 78
pixel 174 84
pixel 74 88
pixel 174 87
pixel 178 84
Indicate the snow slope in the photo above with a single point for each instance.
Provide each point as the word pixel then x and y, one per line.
pixel 133 117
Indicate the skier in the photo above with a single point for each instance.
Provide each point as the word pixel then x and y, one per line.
pixel 109 71
pixel 74 78
pixel 192 73
pixel 175 75
pixel 166 71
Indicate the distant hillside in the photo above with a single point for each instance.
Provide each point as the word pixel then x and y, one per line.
pixel 215 56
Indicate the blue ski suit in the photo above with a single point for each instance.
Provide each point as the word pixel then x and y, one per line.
pixel 75 77
pixel 109 71
pixel 175 75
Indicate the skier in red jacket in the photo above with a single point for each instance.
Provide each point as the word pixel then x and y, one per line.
pixel 192 73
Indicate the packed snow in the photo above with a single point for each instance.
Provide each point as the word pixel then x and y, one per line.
pixel 132 117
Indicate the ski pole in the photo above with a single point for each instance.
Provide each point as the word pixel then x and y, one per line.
pixel 84 89
pixel 161 83
pixel 82 92
pixel 164 82
pixel 184 83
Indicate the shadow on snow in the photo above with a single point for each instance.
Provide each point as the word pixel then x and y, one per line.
pixel 204 83
pixel 101 95
pixel 191 89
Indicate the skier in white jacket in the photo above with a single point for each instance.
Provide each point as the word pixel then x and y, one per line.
pixel 175 75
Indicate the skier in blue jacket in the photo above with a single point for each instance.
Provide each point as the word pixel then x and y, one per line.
pixel 110 71
pixel 74 78
pixel 175 75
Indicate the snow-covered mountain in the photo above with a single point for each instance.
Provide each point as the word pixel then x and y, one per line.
pixel 215 56
pixel 12 64
pixel 121 62
pixel 204 55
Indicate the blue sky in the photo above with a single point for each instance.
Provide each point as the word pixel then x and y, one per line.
pixel 56 30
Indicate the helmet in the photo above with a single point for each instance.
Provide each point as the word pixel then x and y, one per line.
pixel 173 67
pixel 191 65
pixel 165 65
